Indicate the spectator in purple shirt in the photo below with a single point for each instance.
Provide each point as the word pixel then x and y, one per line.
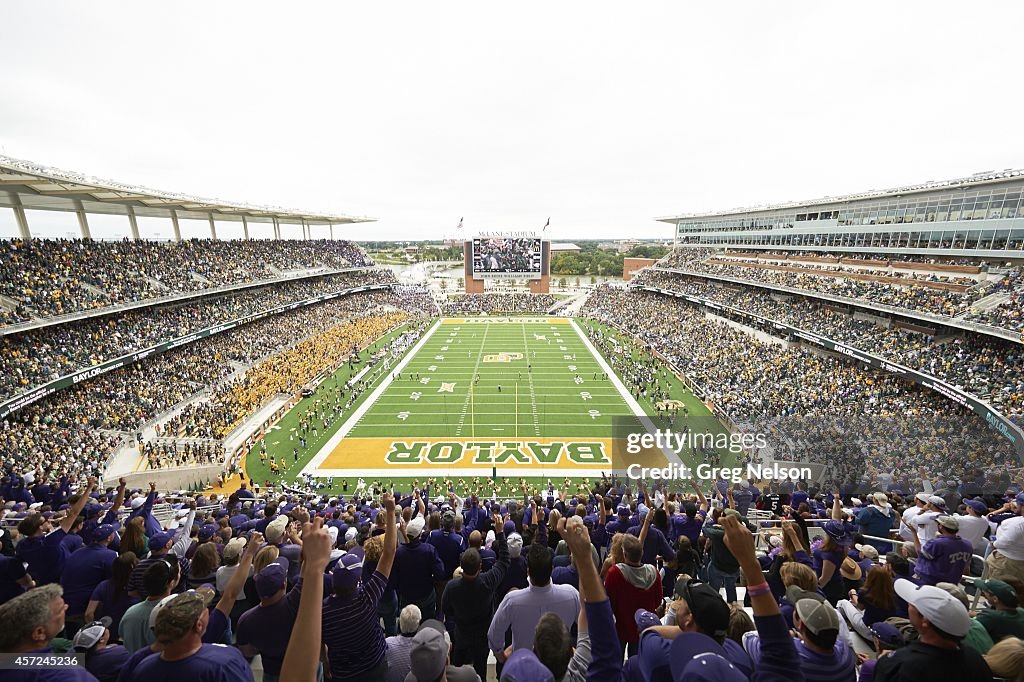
pixel 84 571
pixel 350 625
pixel 102 659
pixel 41 547
pixel 265 628
pixel 417 567
pixel 448 543
pixel 110 598
pixel 14 579
pixel 944 558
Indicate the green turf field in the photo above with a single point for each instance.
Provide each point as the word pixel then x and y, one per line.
pixel 482 397
pixel 487 379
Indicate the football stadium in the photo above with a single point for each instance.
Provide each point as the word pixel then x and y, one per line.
pixel 637 415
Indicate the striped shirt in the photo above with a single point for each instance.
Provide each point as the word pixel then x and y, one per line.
pixel 352 631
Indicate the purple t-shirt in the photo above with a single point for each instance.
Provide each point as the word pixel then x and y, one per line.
pixel 943 559
pixel 45 556
pixel 217 628
pixel 212 663
pixel 128 670
pixel 836 557
pixel 83 571
pixel 106 663
pixel 112 603
pixel 268 628
pixel 11 571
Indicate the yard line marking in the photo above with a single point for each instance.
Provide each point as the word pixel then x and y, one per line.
pixel 469 392
pixel 313 465
pixel 631 402
pixel 529 375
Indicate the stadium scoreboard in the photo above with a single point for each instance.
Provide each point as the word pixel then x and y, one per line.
pixel 508 256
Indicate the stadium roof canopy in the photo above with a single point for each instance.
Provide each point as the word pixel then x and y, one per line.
pixel 978 179
pixel 29 185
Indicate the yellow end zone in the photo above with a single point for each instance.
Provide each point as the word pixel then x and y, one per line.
pixel 357 454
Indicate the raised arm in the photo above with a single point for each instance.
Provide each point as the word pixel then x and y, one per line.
pixel 387 559
pixel 303 653
pixel 779 659
pixel 111 515
pixel 700 495
pixel 837 506
pixel 238 578
pixel 69 519
pixel 647 525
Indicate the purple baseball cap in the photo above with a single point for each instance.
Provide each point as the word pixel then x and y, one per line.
pixel 347 573
pixel 977 505
pixel 272 578
pixel 102 532
pixel 698 658
pixel 645 619
pixel 524 666
pixel 160 540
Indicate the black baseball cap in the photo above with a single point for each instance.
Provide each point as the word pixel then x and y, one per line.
pixel 708 609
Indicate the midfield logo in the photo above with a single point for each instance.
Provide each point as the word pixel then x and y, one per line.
pixel 496 452
pixel 503 357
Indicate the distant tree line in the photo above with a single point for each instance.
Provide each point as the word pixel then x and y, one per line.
pixel 590 260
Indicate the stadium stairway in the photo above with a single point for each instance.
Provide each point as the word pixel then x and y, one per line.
pixel 570 307
pixel 989 302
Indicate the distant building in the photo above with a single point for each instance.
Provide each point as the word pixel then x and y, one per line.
pixel 631 265
pixel 564 246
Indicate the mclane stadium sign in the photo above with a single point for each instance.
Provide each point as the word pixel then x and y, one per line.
pixel 40 392
pixel 997 421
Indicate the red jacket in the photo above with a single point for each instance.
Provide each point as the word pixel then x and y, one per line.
pixel 626 597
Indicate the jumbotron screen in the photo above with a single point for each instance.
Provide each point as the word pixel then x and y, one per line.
pixel 507 257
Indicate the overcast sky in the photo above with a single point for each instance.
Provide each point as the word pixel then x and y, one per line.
pixel 598 115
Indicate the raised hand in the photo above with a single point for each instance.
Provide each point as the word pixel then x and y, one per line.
pixel 738 538
pixel 255 543
pixel 316 545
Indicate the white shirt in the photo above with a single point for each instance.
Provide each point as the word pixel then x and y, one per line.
pixel 1010 538
pixel 908 516
pixel 926 526
pixel 972 529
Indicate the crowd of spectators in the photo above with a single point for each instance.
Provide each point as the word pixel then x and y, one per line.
pixel 497 304
pixel 912 296
pixel 76 429
pixel 619 581
pixel 1010 313
pixel 54 277
pixel 990 368
pixel 170 453
pixel 810 406
pixel 286 372
pixel 30 359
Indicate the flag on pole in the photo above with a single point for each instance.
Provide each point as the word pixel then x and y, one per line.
pixel 546 225
pixel 460 224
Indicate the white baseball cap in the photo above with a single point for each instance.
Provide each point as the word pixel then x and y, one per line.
pixel 415 527
pixel 937 606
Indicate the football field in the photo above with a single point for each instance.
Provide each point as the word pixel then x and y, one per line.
pixel 482 396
